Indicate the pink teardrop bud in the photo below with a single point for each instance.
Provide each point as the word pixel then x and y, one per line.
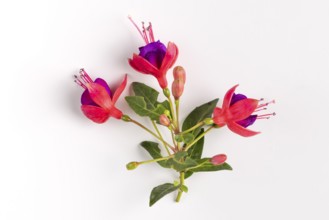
pixel 177 87
pixel 179 74
pixel 164 120
pixel 218 159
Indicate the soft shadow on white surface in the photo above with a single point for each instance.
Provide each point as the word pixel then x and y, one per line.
pixel 56 164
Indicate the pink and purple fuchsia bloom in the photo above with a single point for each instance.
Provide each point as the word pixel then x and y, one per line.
pixel 98 102
pixel 239 112
pixel 154 58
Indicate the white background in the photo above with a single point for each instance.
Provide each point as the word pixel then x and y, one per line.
pixel 56 164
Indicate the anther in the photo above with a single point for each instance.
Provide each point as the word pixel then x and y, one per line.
pixel 140 32
pixel 260 109
pixel 144 33
pixel 150 30
pixel 266 116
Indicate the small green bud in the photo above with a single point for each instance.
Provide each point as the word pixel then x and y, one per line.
pixel 167 112
pixel 166 92
pixel 132 165
pixel 208 121
pixel 125 118
pixel 176 183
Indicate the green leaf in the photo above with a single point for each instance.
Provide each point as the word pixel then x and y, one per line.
pixel 186 138
pixel 179 155
pixel 199 114
pixel 208 166
pixel 188 174
pixel 150 95
pixel 155 152
pixel 181 165
pixel 165 104
pixel 195 152
pixel 160 191
pixel 138 104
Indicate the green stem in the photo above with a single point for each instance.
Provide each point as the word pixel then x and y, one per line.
pixel 155 160
pixel 201 123
pixel 163 142
pixel 198 138
pixel 177 114
pixel 149 131
pixel 166 92
pixel 180 192
pixel 173 140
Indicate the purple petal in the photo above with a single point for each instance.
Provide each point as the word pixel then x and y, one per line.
pixel 236 98
pixel 248 121
pixel 153 52
pixel 85 97
pixel 103 83
pixel 154 58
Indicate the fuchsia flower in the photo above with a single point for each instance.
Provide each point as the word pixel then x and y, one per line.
pixel 97 99
pixel 237 113
pixel 154 58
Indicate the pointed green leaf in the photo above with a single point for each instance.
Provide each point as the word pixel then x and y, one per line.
pixel 208 167
pixel 195 152
pixel 150 95
pixel 155 152
pixel 199 114
pixel 188 174
pixel 179 155
pixel 165 104
pixel 181 165
pixel 160 191
pixel 186 138
pixel 138 104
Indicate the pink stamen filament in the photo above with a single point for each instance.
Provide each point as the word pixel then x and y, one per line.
pixel 265 116
pixel 83 72
pixel 78 81
pixel 83 79
pixel 150 30
pixel 144 33
pixel 140 32
pixel 260 109
pixel 265 104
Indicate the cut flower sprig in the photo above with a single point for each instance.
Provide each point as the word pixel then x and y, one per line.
pixel 183 153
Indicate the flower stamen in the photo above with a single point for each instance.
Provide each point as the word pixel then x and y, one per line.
pixel 83 79
pixel 260 109
pixel 77 81
pixel 266 116
pixel 150 30
pixel 265 104
pixel 144 33
pixel 139 30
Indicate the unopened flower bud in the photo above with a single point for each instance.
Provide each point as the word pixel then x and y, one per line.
pixel 132 165
pixel 218 159
pixel 164 120
pixel 179 74
pixel 167 112
pixel 177 87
